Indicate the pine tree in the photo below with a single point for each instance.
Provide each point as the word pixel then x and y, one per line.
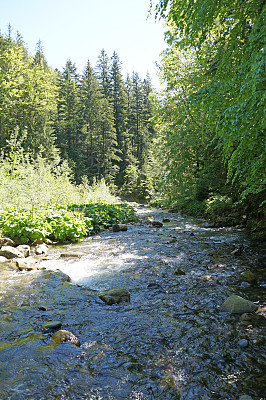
pixel 68 126
pixel 99 145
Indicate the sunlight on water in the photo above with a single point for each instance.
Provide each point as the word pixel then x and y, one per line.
pixel 102 265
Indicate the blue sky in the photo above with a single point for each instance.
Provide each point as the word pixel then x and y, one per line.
pixel 80 29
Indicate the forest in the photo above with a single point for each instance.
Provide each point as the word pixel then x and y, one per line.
pixel 196 146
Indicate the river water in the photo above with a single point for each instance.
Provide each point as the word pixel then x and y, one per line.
pixel 170 342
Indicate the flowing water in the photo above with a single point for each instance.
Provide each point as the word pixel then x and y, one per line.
pixel 170 342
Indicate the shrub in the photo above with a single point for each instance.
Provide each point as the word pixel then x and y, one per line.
pixel 24 226
pixel 218 205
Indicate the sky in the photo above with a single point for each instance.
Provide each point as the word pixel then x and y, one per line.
pixel 79 29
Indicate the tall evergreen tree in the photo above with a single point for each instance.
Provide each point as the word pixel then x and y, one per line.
pixel 99 145
pixel 68 126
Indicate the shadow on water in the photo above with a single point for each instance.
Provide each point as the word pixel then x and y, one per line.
pixel 170 342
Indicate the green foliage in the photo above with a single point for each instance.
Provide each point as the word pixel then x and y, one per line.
pixel 103 216
pixel 219 205
pixel 63 224
pixel 213 108
pixel 24 226
pixel 55 224
pixel 36 185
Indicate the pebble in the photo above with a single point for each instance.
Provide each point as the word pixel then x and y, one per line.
pixel 243 343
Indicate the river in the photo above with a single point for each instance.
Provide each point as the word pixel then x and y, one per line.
pixel 172 341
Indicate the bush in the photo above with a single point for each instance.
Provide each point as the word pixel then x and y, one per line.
pixel 26 227
pixel 63 224
pixel 218 206
pixel 23 226
pixel 102 216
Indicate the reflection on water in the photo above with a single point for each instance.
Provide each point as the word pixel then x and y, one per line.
pixel 171 342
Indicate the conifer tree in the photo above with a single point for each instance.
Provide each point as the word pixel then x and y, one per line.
pixel 99 145
pixel 68 125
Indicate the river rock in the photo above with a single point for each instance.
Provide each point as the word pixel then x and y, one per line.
pixel 10 252
pixel 237 252
pixel 245 397
pixel 72 254
pixel 63 336
pixel 179 271
pixel 51 326
pixel 119 227
pixel 24 249
pixel 243 343
pixel 246 318
pixel 116 295
pixel 6 242
pixel 3 259
pixel 248 276
pixel 26 264
pixel 157 224
pixel 41 249
pixel 237 305
pixel 165 220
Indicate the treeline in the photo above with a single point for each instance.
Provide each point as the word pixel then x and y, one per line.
pixel 97 121
pixel 211 115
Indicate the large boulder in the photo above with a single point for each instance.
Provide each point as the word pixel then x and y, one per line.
pixel 10 252
pixel 116 295
pixel 237 305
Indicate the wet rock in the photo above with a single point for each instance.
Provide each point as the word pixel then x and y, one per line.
pixel 6 242
pixel 51 326
pixel 237 252
pixel 41 249
pixel 207 278
pixel 119 227
pixel 155 288
pixel 237 305
pixel 72 255
pixel 171 240
pixel 26 264
pixel 150 218
pixel 63 336
pixel 24 249
pixel 246 318
pixel 116 295
pixel 10 252
pixel 248 276
pixel 179 271
pixel 243 343
pixel 244 285
pixel 157 224
pixel 165 220
pixel 245 397
pixel 3 259
pixel 206 225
